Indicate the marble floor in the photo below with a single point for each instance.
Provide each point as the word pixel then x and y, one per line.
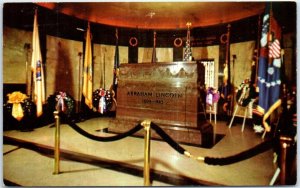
pixel 28 159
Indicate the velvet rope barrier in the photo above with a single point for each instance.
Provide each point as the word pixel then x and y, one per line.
pixel 260 148
pixel 98 138
pixel 167 138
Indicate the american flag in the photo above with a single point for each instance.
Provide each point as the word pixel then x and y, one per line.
pixel 269 68
pixel 274 49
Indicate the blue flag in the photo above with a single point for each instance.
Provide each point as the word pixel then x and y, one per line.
pixel 269 68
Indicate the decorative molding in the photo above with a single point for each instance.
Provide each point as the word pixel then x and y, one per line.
pixel 163 71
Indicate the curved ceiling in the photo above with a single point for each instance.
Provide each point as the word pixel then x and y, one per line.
pixel 158 15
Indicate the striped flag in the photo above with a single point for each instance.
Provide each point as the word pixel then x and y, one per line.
pixel 269 68
pixel 37 70
pixel 274 49
pixel 87 88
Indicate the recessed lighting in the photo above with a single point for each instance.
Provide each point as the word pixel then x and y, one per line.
pixel 79 29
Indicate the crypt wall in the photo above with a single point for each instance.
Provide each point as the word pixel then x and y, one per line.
pixel 62 60
pixel 62 66
pixel 241 67
pixel 162 55
pixel 208 52
pixel 14 55
pixel 104 63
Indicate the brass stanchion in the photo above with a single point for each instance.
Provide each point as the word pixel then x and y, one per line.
pixel 57 143
pixel 284 146
pixel 146 125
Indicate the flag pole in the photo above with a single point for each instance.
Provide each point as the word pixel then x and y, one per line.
pixel 257 52
pixel 227 61
pixel 269 38
pixel 27 48
pixel 116 66
pixel 104 71
pixel 101 77
pixel 154 48
pixel 79 82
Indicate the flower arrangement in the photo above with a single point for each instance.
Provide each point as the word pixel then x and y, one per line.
pixel 212 96
pixel 16 98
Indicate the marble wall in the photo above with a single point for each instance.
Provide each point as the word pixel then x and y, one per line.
pixel 63 60
pixel 241 66
pixel 208 52
pixel 62 69
pixel 15 56
pixel 62 66
pixel 162 55
pixel 104 64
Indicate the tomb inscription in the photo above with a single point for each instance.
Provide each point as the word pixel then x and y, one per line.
pixel 165 93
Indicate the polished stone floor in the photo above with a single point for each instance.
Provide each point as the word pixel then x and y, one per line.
pixel 28 159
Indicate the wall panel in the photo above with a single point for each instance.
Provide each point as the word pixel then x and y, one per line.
pixel 14 55
pixel 62 69
pixel 62 60
pixel 162 55
pixel 241 67
pixel 208 52
pixel 104 64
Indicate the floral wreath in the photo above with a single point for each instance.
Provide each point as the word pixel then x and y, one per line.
pixel 133 41
pixel 224 38
pixel 245 93
pixel 17 100
pixel 177 42
pixel 103 100
pixel 64 103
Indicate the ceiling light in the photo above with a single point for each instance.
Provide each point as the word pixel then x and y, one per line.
pixel 150 14
pixel 79 29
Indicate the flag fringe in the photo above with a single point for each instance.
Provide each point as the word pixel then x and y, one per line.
pixel 268 113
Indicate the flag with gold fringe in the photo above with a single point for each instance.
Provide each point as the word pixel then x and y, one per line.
pixel 269 68
pixel 37 70
pixel 87 88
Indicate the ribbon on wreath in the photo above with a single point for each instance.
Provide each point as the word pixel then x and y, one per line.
pixel 212 96
pixel 60 105
pixel 245 93
pixel 16 98
pixel 102 102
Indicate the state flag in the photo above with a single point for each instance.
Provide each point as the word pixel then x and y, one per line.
pixel 37 70
pixel 87 88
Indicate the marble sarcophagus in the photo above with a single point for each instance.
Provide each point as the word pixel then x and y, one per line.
pixel 165 93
